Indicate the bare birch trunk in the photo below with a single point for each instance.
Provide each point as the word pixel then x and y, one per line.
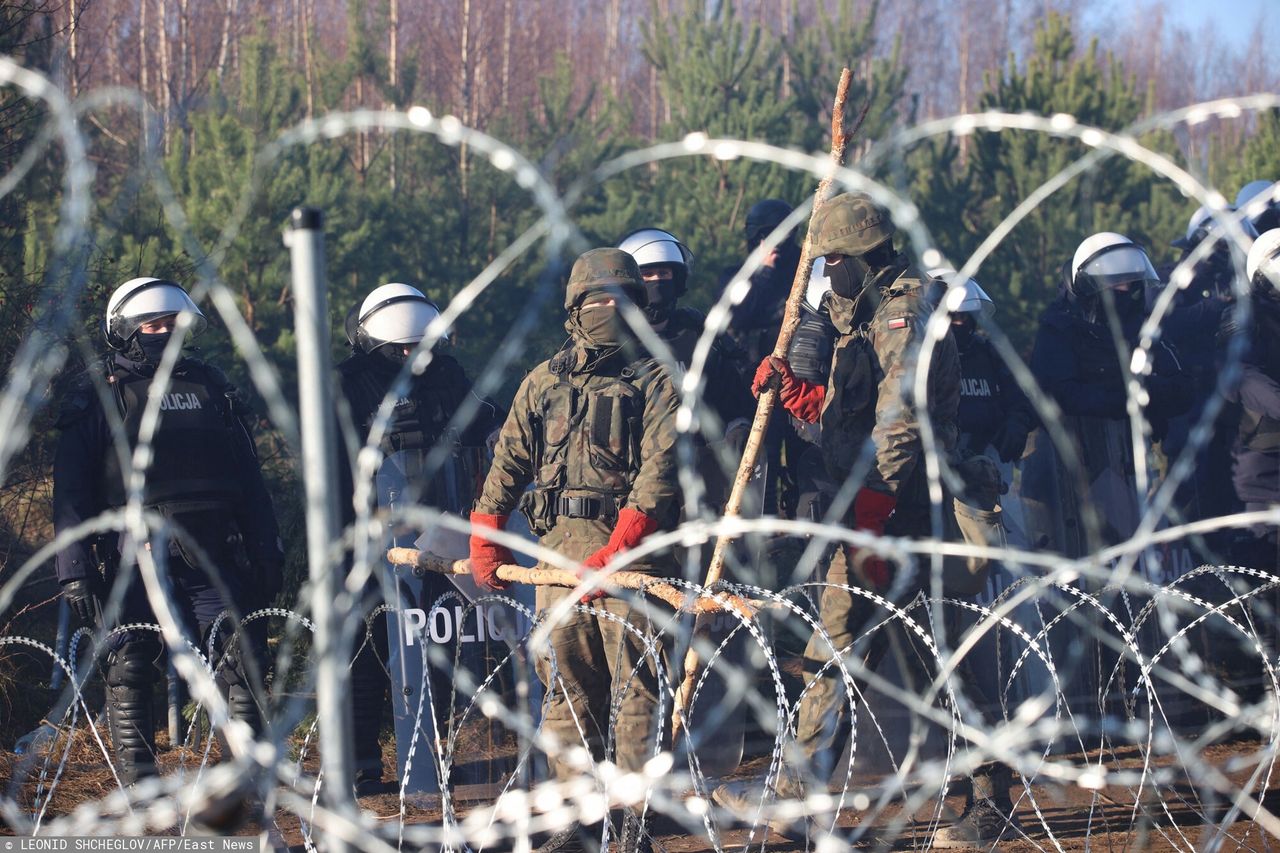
pixel 464 85
pixel 73 45
pixel 506 54
pixel 224 48
pixel 393 77
pixel 166 60
pixel 143 53
pixel 308 55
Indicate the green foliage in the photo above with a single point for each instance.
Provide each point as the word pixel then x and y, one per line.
pixel 964 201
pixel 722 77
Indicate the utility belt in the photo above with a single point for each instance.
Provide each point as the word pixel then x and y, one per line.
pixel 542 508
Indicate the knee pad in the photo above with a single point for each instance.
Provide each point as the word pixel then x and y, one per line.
pixel 135 662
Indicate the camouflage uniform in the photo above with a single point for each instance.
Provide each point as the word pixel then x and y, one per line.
pixel 594 432
pixel 868 398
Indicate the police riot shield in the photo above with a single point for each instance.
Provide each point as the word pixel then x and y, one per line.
pixel 442 645
pixel 1057 500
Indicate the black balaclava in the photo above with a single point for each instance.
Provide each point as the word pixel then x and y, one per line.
pixel 146 348
pixel 963 327
pixel 848 277
pixel 661 295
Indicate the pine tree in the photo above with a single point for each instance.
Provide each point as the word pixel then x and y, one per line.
pixel 1024 273
pixel 721 76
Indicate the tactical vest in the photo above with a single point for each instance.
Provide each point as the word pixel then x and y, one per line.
pixel 419 418
pixel 849 409
pixel 193 463
pixel 586 445
pixel 982 406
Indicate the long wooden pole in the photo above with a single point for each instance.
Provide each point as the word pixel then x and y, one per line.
pixel 677 598
pixel 769 396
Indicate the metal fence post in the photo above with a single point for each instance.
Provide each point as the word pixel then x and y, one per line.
pixel 305 239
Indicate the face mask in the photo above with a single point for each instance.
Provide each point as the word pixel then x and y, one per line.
pixel 1130 303
pixel 599 326
pixel 392 354
pixel 660 300
pixel 149 349
pixel 963 332
pixel 848 276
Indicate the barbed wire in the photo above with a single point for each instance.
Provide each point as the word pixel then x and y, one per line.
pixel 1138 632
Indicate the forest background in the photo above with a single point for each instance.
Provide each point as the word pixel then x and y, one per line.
pixel 572 83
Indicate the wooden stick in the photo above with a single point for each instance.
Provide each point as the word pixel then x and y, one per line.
pixel 769 396
pixel 678 599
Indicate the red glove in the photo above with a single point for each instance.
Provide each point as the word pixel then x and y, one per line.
pixel 628 532
pixel 871 511
pixel 800 398
pixel 486 555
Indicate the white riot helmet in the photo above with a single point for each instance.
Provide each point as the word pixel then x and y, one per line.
pixel 1260 201
pixel 654 247
pixel 1105 261
pixel 1263 263
pixel 975 299
pixel 1204 222
pixel 650 246
pixel 141 300
pixel 819 284
pixel 392 314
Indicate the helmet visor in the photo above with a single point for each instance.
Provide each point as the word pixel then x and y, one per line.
pixel 1268 274
pixel 154 302
pixel 1119 265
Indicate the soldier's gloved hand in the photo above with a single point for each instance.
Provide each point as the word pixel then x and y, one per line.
pixel 83 597
pixel 872 509
pixel 487 555
pixel 802 399
pixel 1009 442
pixel 871 570
pixel 629 531
pixel 871 512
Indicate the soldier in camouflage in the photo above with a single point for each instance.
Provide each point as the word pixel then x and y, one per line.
pixel 593 430
pixel 879 304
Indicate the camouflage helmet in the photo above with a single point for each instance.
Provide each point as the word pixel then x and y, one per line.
pixel 850 224
pixel 604 270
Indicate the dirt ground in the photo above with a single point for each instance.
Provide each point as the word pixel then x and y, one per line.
pixel 1072 818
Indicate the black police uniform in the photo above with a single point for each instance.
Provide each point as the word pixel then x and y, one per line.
pixel 993 410
pixel 205 476
pixel 754 325
pixel 420 420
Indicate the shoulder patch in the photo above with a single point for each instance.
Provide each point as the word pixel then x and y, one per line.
pixel 898 323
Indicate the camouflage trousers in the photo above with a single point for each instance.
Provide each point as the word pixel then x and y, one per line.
pixel 604 665
pixel 823 726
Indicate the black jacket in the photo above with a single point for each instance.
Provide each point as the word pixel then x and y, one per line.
pixel 83 469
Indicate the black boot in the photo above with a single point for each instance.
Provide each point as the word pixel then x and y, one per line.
pixel 988 817
pixel 130 675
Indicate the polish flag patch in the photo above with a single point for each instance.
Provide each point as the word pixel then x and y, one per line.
pixel 897 322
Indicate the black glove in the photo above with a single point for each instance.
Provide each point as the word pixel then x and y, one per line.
pixel 84 598
pixel 1009 442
